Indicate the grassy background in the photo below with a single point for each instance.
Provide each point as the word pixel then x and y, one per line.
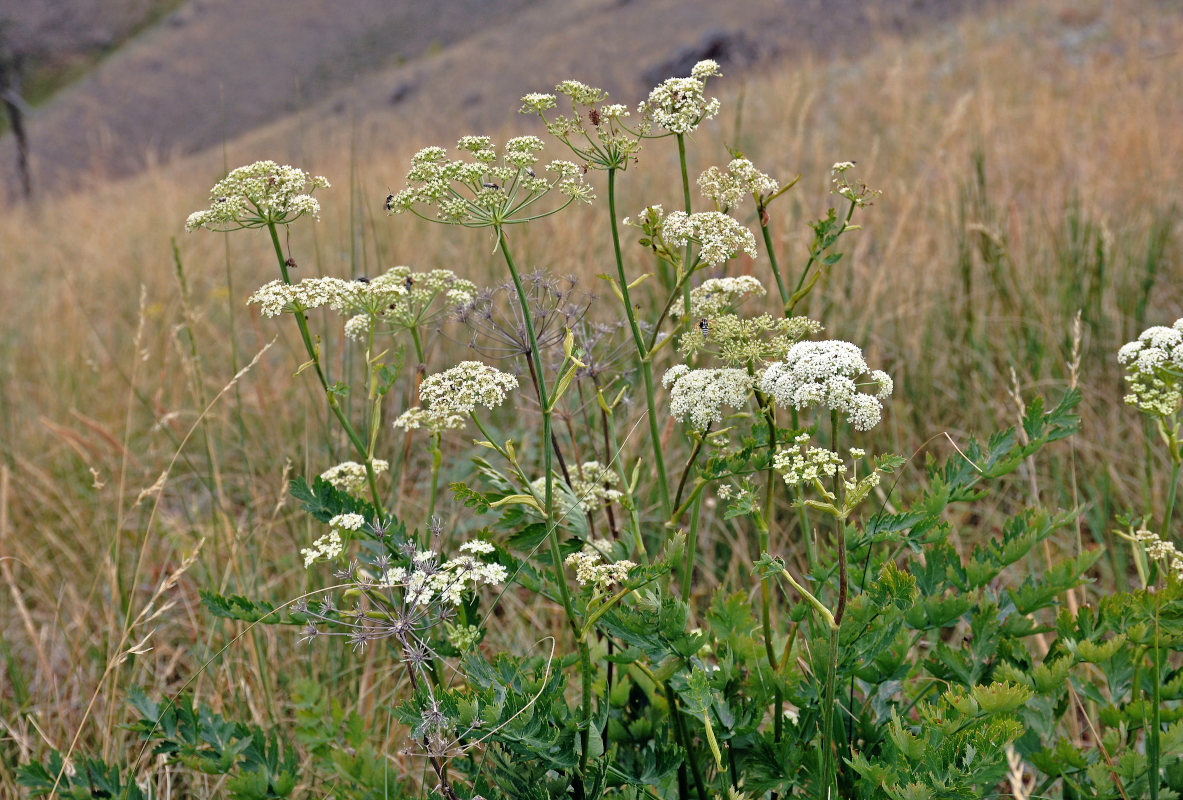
pixel 1030 163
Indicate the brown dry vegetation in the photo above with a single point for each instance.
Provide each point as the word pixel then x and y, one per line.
pixel 1030 164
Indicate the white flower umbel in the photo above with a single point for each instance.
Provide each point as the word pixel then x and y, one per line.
pixel 740 180
pixel 595 131
pixel 1158 550
pixel 828 374
pixel 402 299
pixel 276 297
pixel 326 547
pixel 743 341
pixel 805 465
pixel 591 484
pixel 698 395
pixel 257 195
pixel 589 570
pixel 427 582
pixel 858 194
pixel 1154 367
pixel 715 295
pixel 719 237
pixel 487 189
pixel 449 397
pixel 349 476
pixel 679 105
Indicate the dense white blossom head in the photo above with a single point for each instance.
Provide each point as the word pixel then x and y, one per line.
pixel 828 374
pixel 698 395
pixel 402 299
pixel 259 194
pixel 1154 368
pixel 717 295
pixel 740 180
pixel 745 341
pixel 590 571
pixel 350 477
pixel 719 237
pixel 679 105
pixel 449 397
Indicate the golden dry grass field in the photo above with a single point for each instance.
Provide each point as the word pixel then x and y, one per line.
pixel 1031 164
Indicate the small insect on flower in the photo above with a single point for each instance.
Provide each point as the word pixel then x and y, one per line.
pixel 491 186
pixel 704 325
pixel 389 204
pixel 362 279
pixel 408 283
pixel 594 115
pixel 530 172
pixel 290 263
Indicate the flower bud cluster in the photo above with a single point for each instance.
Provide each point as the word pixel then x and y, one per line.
pixel 486 189
pixel 860 195
pixel 679 105
pixel 259 194
pixel 350 477
pixel 698 395
pixel 740 180
pixel 1154 366
pixel 804 464
pixel 828 374
pixel 742 341
pixel 449 397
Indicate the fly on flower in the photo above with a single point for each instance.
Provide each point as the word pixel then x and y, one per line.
pixel 704 325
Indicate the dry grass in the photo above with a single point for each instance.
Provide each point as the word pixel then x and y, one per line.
pixel 1072 108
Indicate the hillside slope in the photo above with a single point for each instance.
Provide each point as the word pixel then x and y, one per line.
pixel 215 69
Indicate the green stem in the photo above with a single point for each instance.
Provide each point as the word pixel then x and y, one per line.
pixel 691 545
pixel 436 459
pixel 780 282
pixel 548 503
pixel 683 736
pixel 334 406
pixel 827 790
pixel 803 513
pixel 813 259
pixel 642 354
pixel 1171 491
pixel 686 203
pixel 1153 743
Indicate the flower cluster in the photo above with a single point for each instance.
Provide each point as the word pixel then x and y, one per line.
pixel 607 143
pixel 827 374
pixel 698 395
pixel 404 299
pixel 591 483
pixel 1154 365
pixel 427 581
pixel 487 190
pixel 719 237
pixel 804 464
pixel 259 194
pixel 740 341
pixel 590 571
pixel 1159 550
pixel 859 195
pixel 741 180
pixel 679 105
pixel 450 396
pixel 350 477
pixel 276 297
pixel 715 295
pixel 327 547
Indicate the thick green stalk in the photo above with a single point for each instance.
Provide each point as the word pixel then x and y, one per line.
pixel 827 789
pixel 1153 741
pixel 691 545
pixel 334 406
pixel 548 504
pixel 1171 491
pixel 642 354
pixel 780 282
pixel 686 204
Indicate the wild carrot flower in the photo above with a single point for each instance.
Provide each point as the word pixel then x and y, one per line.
pixel 257 195
pixel 487 190
pixel 276 297
pixel 595 131
pixel 804 464
pixel 679 105
pixel 449 397
pixel 350 477
pixel 591 485
pixel 698 395
pixel 719 237
pixel 1159 550
pixel 827 374
pixel 740 180
pixel 402 299
pixel 860 195
pixel 589 570
pixel 715 295
pixel 1154 366
pixel 327 547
